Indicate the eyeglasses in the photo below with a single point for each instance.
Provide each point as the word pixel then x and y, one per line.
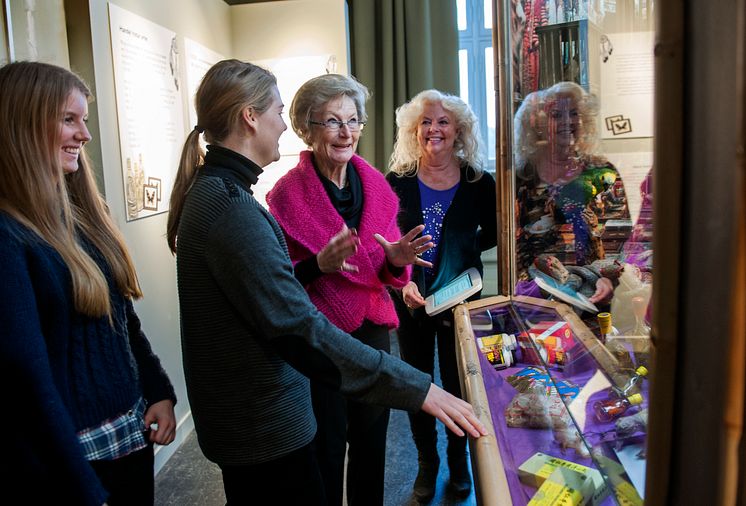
pixel 334 125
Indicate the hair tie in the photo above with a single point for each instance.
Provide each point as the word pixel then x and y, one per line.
pixel 199 129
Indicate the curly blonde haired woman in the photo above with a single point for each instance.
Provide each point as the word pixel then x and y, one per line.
pixel 565 190
pixel 436 170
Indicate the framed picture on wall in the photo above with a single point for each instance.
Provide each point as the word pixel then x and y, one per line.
pixel 150 197
pixel 154 181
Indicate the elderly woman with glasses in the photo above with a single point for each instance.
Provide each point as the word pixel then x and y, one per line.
pixel 339 217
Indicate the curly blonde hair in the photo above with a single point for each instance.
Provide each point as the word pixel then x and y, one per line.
pixel 530 124
pixel 407 151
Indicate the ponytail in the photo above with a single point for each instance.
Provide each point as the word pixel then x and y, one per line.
pixel 192 157
pixel 227 88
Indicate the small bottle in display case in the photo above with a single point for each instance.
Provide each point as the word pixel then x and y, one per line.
pixel 615 407
pixel 631 385
pixel 636 378
pixel 605 326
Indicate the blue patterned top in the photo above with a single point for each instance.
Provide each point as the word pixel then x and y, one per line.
pixel 434 205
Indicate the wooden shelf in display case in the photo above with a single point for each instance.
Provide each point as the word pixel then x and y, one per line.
pixel 545 442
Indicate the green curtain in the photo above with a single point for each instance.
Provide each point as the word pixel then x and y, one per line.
pixel 399 48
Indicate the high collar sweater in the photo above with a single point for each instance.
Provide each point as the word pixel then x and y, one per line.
pixel 308 219
pixel 250 335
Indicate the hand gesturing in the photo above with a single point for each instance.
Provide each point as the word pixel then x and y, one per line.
pixel 408 249
pixel 336 252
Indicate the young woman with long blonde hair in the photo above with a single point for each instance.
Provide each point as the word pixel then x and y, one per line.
pixel 79 371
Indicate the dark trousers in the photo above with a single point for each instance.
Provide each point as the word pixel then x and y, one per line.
pixel 417 334
pixel 129 480
pixel 363 426
pixel 291 479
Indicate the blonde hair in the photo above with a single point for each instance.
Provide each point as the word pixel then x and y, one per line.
pixel 228 87
pixel 407 151
pixel 317 92
pixel 530 140
pixel 35 190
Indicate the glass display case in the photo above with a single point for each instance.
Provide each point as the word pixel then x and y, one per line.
pixel 565 391
pixel 566 406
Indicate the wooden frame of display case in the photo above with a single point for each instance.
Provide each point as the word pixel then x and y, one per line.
pixel 503 157
pixel 489 474
pixel 668 160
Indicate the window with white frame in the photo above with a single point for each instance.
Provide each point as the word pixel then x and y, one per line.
pixel 476 68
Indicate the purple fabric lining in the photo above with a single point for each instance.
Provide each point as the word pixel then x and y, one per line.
pixel 529 288
pixel 519 444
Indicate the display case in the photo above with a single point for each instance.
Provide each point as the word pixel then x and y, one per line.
pixel 566 408
pixel 569 52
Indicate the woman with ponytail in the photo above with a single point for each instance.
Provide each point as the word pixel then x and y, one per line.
pixel 250 335
pixel 92 397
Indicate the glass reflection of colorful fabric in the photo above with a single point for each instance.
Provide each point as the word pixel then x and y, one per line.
pixel 597 190
pixel 638 250
pixel 537 375
pixel 572 198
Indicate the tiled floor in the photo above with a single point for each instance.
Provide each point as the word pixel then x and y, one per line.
pixel 190 479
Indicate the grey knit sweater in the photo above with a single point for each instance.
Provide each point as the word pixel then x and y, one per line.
pixel 251 338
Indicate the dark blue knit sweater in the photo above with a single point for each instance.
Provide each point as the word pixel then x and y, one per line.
pixel 63 371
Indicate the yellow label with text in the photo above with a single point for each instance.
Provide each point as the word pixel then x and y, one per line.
pixel 627 495
pixel 536 469
pixel 555 494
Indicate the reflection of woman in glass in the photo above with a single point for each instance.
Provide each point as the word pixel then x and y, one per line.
pixel 566 193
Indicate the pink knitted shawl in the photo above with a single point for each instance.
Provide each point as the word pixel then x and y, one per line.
pixel 309 220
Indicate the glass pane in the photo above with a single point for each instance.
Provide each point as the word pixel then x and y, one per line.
pixel 582 152
pixel 582 155
pixel 488 14
pixel 463 74
pixel 557 397
pixel 490 90
pixel 461 14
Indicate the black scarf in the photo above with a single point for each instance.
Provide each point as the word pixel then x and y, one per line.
pixel 348 201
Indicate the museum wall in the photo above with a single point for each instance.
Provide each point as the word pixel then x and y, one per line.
pixel 38 31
